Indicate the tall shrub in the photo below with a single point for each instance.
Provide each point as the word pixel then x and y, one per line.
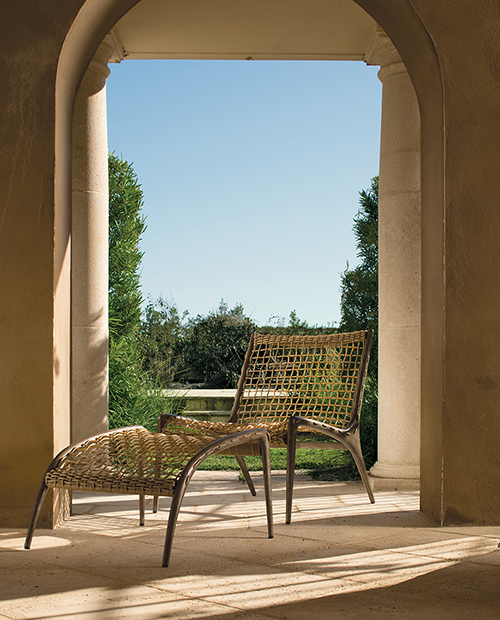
pixel 206 350
pixel 132 397
pixel 359 307
pixel 126 225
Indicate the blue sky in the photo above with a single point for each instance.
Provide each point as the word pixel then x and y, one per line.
pixel 251 173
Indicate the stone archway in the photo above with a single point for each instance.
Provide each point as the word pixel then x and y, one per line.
pixel 452 59
pixel 92 21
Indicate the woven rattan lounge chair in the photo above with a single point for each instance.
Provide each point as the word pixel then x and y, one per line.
pixel 290 383
pixel 133 460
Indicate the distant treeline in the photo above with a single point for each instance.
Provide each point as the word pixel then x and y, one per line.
pixel 204 351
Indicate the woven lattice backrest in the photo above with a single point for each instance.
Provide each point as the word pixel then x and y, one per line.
pixel 311 376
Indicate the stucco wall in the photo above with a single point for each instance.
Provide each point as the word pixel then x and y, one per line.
pixel 31 39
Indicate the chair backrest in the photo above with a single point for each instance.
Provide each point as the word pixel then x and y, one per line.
pixel 320 377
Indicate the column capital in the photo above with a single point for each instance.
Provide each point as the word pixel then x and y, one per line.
pixel 382 52
pixel 98 72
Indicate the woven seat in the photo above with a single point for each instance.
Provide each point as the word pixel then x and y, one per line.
pixel 290 383
pixel 133 460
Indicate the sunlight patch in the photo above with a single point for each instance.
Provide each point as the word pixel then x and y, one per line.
pixel 39 542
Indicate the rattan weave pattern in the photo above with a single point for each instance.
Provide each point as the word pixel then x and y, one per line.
pixel 215 430
pixel 309 376
pixel 130 460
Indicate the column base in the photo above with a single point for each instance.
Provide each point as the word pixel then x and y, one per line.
pixel 394 477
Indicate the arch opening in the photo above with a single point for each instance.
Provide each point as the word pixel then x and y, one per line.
pixel 408 34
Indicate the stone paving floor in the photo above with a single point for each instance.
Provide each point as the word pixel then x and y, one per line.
pixel 341 558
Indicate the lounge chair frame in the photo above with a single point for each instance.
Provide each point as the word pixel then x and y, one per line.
pixel 133 460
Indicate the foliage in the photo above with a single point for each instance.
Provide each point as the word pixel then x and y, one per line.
pixel 206 351
pixel 359 308
pixel 133 397
pixel 359 286
pixel 161 338
pixel 214 347
pixel 126 225
pixel 145 357
pixel 295 327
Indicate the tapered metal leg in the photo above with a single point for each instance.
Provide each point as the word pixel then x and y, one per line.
pixel 218 446
pixel 290 467
pixel 246 474
pixel 42 492
pixel 142 509
pixel 266 467
pixel 175 507
pixel 360 463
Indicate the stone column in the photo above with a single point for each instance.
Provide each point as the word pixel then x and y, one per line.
pixel 399 273
pixel 89 255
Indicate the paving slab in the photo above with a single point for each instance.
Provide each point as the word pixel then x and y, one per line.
pixel 340 558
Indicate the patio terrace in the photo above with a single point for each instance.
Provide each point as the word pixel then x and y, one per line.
pixel 340 558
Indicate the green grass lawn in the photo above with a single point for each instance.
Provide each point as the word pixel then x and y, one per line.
pixel 320 464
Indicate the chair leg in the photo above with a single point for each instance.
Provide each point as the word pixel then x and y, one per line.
pixel 175 507
pixel 246 474
pixel 266 467
pixel 355 450
pixel 156 503
pixel 291 444
pixel 142 509
pixel 195 462
pixel 42 492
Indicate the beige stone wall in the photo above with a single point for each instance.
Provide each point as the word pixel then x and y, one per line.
pixel 458 89
pixel 469 49
pixel 33 354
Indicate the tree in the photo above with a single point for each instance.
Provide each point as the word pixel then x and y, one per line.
pixel 214 347
pixel 359 307
pixel 161 338
pixel 359 286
